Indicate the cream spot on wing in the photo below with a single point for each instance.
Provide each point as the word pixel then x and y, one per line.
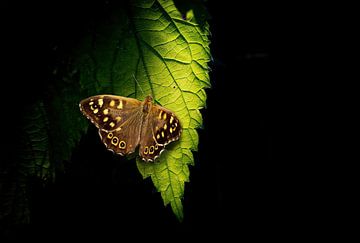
pixel 122 144
pixel 115 140
pixel 96 111
pixel 105 119
pixel 118 118
pixel 171 119
pixel 162 134
pixel 91 103
pixel 158 136
pixel 112 124
pixel 112 103
pixel 171 130
pixel 151 150
pixel 106 111
pixel 160 114
pixel 164 117
pixel 120 106
pixel 100 102
pixel 165 127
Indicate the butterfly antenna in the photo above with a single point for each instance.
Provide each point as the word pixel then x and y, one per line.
pixel 142 91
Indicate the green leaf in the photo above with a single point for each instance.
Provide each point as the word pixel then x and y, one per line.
pixel 174 54
pixel 49 129
pixel 30 160
pixel 168 56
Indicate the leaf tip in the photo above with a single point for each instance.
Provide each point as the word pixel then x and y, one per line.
pixel 177 209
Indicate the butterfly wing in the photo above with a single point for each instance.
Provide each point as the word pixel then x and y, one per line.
pixel 160 127
pixel 124 139
pixel 109 112
pixel 118 119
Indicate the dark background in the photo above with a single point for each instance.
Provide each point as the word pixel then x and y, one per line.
pixel 236 185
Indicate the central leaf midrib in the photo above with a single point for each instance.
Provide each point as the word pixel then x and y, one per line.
pixel 170 184
pixel 138 39
pixel 157 54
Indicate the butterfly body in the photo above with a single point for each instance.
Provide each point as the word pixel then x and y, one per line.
pixel 126 123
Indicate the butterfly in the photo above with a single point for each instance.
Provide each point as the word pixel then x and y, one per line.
pixel 126 123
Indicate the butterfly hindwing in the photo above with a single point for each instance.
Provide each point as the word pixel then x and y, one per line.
pixel 149 149
pixel 124 139
pixel 109 112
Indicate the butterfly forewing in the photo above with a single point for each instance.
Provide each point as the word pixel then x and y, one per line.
pixel 161 127
pixel 109 112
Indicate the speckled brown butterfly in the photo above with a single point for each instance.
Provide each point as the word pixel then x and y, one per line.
pixel 124 123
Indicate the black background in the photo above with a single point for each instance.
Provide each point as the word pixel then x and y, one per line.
pixel 236 186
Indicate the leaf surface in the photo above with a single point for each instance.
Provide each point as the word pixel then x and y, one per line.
pixel 174 55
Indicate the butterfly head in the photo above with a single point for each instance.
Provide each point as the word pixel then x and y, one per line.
pixel 148 99
pixel 147 104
